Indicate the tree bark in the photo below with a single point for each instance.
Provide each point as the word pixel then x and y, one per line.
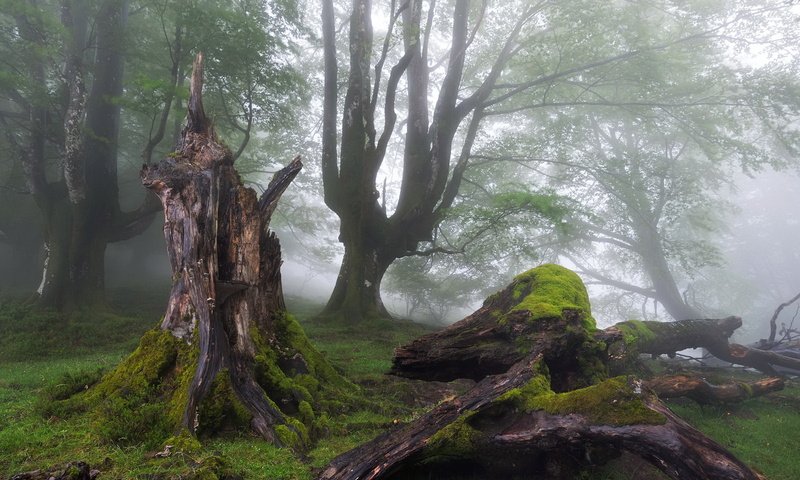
pixel 373 239
pixel 357 293
pixel 489 433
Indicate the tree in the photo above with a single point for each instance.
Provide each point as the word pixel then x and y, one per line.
pixel 227 353
pixel 531 61
pixel 646 194
pixel 647 191
pixel 372 238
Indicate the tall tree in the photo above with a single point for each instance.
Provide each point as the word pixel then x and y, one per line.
pixel 545 53
pixel 80 209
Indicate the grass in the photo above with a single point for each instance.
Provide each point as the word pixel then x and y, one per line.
pixel 762 432
pixel 37 349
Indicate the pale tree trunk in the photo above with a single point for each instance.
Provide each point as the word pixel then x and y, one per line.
pixel 658 271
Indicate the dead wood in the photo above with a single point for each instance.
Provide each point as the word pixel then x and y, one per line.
pixel 504 428
pixel 544 405
pixel 705 392
pixel 227 354
pixel 658 338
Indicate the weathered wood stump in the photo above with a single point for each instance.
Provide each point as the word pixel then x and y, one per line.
pixel 227 354
pixel 546 404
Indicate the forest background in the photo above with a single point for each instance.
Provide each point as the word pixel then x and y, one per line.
pixel 651 146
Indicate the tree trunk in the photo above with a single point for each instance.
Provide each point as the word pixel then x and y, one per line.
pixel 81 210
pixel 544 406
pixel 74 270
pixel 227 352
pixel 371 238
pixel 654 262
pixel 357 293
pixel 704 392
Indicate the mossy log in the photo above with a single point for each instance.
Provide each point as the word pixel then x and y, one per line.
pixel 500 333
pixel 544 406
pixel 704 392
pixel 494 337
pixel 227 354
pixel 659 338
pixel 512 426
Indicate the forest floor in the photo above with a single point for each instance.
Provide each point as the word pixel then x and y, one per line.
pixel 39 350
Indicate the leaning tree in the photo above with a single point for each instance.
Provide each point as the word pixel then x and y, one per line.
pixel 554 394
pixel 227 354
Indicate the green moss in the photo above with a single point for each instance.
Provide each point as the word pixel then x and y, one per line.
pixel 536 386
pixel 62 398
pixel 590 357
pixel 212 468
pixel 636 333
pixel 183 443
pixel 457 439
pixel 127 405
pixel 548 290
pixel 292 333
pixel 306 413
pixel 746 388
pixel 221 408
pixel 616 401
pixel 290 437
pixel 156 353
pixel 185 367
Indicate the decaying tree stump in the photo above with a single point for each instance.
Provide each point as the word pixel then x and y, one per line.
pixel 227 354
pixel 546 403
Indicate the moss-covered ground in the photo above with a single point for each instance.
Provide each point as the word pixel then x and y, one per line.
pixel 42 354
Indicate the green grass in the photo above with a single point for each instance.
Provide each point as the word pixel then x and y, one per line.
pixel 37 349
pixel 762 432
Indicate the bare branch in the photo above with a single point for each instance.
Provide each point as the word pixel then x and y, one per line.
pixel 772 326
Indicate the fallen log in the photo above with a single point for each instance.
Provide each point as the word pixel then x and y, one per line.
pixel 658 338
pixel 487 342
pixel 544 405
pixel 512 424
pixel 704 392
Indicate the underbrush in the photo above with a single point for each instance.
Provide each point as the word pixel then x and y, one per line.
pixel 45 358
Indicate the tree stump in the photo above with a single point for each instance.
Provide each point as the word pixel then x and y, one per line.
pixel 227 354
pixel 546 404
